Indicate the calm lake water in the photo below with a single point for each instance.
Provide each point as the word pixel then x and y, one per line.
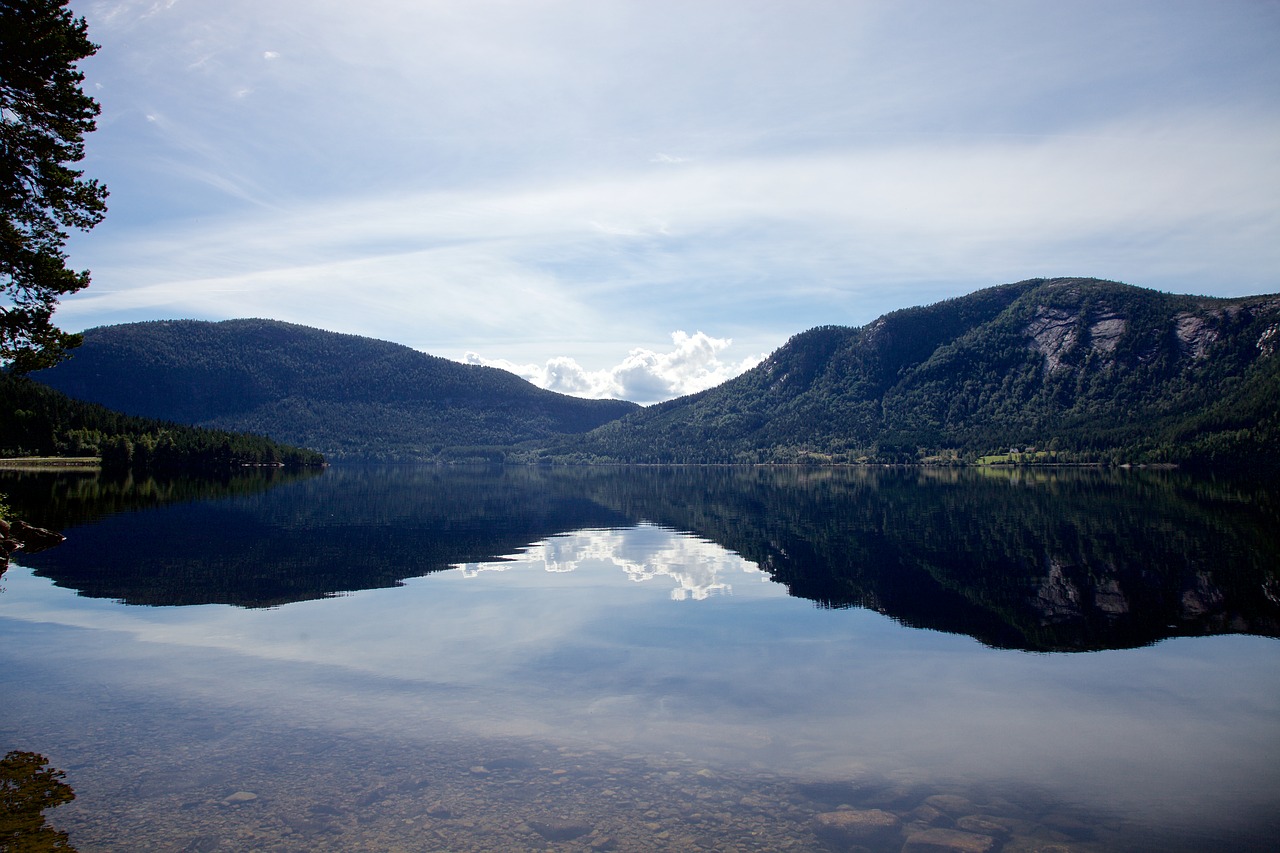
pixel 414 659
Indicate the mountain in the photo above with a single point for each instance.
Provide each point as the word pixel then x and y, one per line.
pixel 344 395
pixel 1067 369
pixel 40 421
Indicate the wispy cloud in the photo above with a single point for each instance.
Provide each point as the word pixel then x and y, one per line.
pixel 558 184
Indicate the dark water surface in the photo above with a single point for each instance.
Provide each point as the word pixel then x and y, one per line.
pixel 651 659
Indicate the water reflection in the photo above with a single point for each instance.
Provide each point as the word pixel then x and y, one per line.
pixel 1065 561
pixel 694 568
pixel 470 660
pixel 28 789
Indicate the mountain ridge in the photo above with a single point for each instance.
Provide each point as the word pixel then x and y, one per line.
pixel 345 395
pixel 1092 370
pixel 1057 370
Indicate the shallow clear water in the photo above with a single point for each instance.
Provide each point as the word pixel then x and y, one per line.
pixel 637 659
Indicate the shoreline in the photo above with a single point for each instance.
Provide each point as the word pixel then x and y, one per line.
pixel 46 463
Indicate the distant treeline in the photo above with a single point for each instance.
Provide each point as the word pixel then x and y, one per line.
pixel 37 421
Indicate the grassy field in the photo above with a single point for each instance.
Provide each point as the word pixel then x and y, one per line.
pixel 1017 458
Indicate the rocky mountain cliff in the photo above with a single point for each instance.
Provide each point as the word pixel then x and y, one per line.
pixel 1068 369
pixel 1065 370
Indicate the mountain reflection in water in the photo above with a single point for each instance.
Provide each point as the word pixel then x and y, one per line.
pixel 1064 560
pixel 650 659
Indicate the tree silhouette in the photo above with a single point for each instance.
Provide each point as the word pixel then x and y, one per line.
pixel 44 116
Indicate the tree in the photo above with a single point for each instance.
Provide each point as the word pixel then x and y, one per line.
pixel 44 116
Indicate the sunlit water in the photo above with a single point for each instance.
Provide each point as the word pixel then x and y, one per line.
pixel 632 687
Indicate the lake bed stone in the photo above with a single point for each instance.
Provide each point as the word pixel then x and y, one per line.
pixel 557 829
pixel 855 824
pixel 1023 844
pixel 951 804
pixel 928 816
pixel 938 840
pixel 983 825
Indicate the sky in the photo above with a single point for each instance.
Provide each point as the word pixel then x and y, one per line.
pixel 643 198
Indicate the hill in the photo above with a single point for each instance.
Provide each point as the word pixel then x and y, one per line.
pixel 39 421
pixel 344 395
pixel 1066 369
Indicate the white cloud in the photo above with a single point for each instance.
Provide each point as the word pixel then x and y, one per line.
pixel 544 183
pixel 643 376
pixel 761 247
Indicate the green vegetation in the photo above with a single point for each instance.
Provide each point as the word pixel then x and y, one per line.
pixel 39 421
pixel 1063 371
pixel 44 116
pixel 346 396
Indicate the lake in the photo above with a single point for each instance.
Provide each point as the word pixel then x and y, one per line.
pixel 421 658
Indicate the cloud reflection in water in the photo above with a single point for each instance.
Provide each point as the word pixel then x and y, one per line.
pixel 646 552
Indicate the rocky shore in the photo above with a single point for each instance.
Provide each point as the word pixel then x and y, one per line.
pixel 19 535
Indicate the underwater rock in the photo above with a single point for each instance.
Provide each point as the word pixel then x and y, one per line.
pixel 951 804
pixel 983 825
pixel 948 841
pixel 855 824
pixel 33 538
pixel 554 829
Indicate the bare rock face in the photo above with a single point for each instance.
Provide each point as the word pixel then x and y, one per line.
pixel 1195 334
pixel 1053 334
pixel 1269 340
pixel 1105 332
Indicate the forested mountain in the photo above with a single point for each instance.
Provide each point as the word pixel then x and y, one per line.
pixel 347 396
pixel 1067 370
pixel 39 421
pixel 1082 369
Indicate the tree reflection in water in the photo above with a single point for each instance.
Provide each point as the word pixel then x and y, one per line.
pixel 1045 560
pixel 29 788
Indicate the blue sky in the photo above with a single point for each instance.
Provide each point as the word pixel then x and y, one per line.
pixel 641 198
